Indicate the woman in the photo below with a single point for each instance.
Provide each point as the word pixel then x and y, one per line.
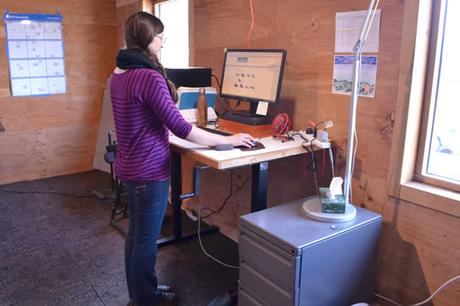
pixel 144 111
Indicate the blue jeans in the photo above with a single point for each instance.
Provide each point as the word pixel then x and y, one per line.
pixel 147 206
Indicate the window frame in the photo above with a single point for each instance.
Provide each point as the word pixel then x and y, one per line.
pixel 191 25
pixel 411 117
pixel 438 11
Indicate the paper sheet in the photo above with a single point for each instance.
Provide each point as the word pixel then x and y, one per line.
pixel 262 108
pixel 36 54
pixel 348 26
pixel 343 75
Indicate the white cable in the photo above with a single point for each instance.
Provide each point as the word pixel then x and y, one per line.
pixel 424 301
pixel 437 290
pixel 201 244
pixel 387 299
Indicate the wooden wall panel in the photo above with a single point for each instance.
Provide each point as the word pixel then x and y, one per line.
pixel 56 134
pixel 124 9
pixel 419 249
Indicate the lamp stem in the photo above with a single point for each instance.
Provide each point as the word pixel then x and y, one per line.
pixel 354 98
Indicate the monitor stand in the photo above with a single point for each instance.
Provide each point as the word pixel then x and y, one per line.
pixel 247 117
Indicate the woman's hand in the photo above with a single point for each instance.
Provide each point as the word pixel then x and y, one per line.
pixel 241 139
pixel 200 136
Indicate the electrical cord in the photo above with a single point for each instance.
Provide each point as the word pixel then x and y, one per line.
pixel 453 279
pixel 312 165
pixel 232 193
pixel 224 105
pixel 201 243
pixel 251 27
pixel 217 81
pixel 291 136
pixel 231 109
pixel 48 192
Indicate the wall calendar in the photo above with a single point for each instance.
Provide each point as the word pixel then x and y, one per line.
pixel 35 51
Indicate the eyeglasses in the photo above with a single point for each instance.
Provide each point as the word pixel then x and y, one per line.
pixel 161 37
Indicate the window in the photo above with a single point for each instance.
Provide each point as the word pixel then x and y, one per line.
pixel 175 16
pixel 438 160
pixel 427 128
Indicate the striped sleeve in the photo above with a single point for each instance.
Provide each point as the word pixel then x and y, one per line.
pixel 157 96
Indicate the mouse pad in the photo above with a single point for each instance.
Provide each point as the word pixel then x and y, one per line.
pixel 257 146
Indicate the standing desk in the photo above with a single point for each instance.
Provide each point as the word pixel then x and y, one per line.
pixel 221 160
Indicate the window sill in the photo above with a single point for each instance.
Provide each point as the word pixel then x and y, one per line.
pixel 431 197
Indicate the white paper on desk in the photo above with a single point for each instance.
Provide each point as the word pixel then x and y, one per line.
pixel 262 108
pixel 348 27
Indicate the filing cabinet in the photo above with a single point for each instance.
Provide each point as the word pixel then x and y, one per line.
pixel 288 259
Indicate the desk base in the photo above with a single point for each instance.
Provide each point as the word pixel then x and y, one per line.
pixel 169 238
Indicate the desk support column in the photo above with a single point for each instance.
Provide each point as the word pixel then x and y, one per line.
pixel 176 191
pixel 259 186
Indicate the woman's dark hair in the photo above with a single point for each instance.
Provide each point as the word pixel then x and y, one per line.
pixel 140 30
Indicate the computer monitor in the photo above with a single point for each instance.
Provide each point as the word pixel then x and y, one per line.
pixel 252 75
pixel 190 76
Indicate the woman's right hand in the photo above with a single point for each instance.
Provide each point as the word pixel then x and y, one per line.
pixel 200 136
pixel 241 139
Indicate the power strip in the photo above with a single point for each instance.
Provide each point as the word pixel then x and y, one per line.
pixel 313 141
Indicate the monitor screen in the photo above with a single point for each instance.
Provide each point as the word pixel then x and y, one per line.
pixel 253 74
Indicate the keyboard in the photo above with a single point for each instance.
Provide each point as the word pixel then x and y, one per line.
pixel 215 131
pixel 257 145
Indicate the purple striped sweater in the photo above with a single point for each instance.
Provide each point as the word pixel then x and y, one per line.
pixel 143 112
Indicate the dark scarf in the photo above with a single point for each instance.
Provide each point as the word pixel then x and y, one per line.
pixel 133 59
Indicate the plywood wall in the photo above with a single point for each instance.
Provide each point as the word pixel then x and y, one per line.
pixel 56 134
pixel 124 9
pixel 420 248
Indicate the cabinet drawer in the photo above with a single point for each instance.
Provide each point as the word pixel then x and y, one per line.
pixel 265 258
pixel 256 283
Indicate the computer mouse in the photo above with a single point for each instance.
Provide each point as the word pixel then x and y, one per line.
pixel 254 146
pixel 223 147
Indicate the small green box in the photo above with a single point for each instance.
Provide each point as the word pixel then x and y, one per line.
pixel 335 205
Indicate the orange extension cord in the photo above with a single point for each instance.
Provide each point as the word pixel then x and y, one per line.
pixel 251 27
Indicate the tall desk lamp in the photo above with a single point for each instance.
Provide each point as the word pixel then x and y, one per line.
pixel 313 207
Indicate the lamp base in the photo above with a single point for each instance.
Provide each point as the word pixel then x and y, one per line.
pixel 312 209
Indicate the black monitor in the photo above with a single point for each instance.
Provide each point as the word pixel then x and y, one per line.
pixel 190 76
pixel 252 75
